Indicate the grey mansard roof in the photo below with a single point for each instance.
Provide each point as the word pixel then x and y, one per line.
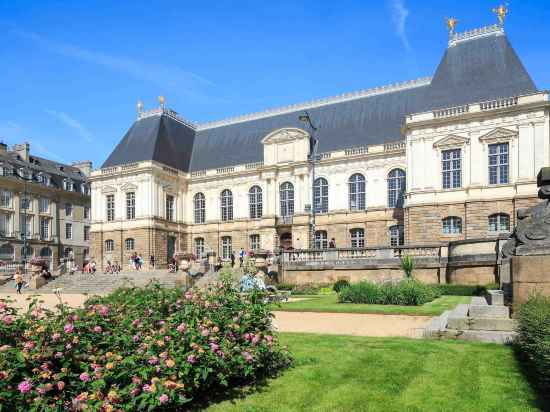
pixel 474 69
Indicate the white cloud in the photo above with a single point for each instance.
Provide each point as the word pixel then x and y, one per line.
pixel 74 124
pixel 399 18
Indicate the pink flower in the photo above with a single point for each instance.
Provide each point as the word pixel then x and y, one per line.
pixel 181 327
pixel 84 377
pixel 163 398
pixel 135 338
pixel 192 359
pixel 69 327
pixel 29 345
pixel 3 306
pixel 25 386
pixel 214 347
pixel 41 390
pixel 247 357
pixel 153 361
pixel 7 319
pixel 205 332
pixel 58 355
pixel 60 385
pixel 255 340
pixel 147 388
pixel 98 329
pixel 135 392
pixel 56 337
pixel 135 322
pixel 3 375
pixel 103 310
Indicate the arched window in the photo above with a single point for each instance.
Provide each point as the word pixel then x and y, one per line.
pixel 46 252
pixel 286 194
pixel 255 202
pixel 321 239
pixel 226 247
pixel 130 244
pixel 27 252
pixel 68 253
pixel 199 247
pixel 109 245
pixel 452 225
pixel 356 192
pixel 396 187
pixel 499 223
pixel 397 235
pixel 226 201
pixel 7 252
pixel 357 237
pixel 200 208
pixel 320 195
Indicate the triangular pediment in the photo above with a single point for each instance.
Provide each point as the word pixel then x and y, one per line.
pixel 108 189
pixel 126 187
pixel 499 134
pixel 286 134
pixel 452 140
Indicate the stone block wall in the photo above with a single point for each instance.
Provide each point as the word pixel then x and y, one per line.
pixel 530 275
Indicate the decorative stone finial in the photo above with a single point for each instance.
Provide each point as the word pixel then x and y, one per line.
pixel 451 24
pixel 501 12
pixel 161 101
pixel 139 107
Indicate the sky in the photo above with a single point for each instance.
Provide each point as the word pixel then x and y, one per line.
pixel 72 71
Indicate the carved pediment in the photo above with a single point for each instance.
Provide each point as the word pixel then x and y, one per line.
pixel 450 141
pixel 285 135
pixel 128 187
pixel 498 135
pixel 108 189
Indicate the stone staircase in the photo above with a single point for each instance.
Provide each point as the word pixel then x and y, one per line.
pixel 484 319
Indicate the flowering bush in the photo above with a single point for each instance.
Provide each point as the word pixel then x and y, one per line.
pixel 136 349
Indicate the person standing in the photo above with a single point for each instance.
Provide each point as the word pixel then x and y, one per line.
pixel 232 259
pixel 152 261
pixel 18 280
pixel 332 244
pixel 241 256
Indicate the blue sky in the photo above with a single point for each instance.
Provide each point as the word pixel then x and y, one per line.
pixel 73 71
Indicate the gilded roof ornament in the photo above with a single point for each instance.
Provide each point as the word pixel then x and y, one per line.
pixel 139 106
pixel 501 12
pixel 161 101
pixel 451 24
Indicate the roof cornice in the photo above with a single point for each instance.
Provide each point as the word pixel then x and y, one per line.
pixel 494 30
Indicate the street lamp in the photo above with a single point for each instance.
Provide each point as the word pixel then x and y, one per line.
pixel 25 205
pixel 312 158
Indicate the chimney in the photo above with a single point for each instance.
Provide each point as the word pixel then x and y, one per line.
pixel 22 150
pixel 85 167
pixel 3 148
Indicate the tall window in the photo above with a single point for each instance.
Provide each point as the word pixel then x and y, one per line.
pixel 452 225
pixel 26 203
pixel 5 199
pixel 255 202
pixel 86 212
pixel 200 208
pixel 68 185
pixel 44 228
pixel 7 252
pixel 396 187
pixel 44 205
pixel 130 205
pixel 68 209
pixel 129 244
pixel 68 230
pixel 199 247
pixel 452 168
pixel 286 194
pixel 226 247
pixel 499 222
pixel 320 195
pixel 5 224
pixel 110 202
pixel 226 202
pixel 170 208
pixel 397 235
pixel 498 163
pixel 321 239
pixel 68 253
pixel 357 237
pixel 86 233
pixel 27 251
pixel 109 245
pixel 254 242
pixel 26 225
pixel 356 192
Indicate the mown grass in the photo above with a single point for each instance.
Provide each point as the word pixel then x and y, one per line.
pixel 329 303
pixel 344 373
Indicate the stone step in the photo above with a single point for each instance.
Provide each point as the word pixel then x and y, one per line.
pixel 501 337
pixel 489 324
pixel 478 301
pixel 489 311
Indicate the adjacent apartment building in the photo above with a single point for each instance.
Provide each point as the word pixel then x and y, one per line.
pixel 441 158
pixel 45 208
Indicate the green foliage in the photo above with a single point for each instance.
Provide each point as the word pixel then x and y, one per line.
pixel 304 289
pixel 340 284
pixel 465 290
pixel 407 264
pixel 136 349
pixel 407 292
pixel 534 338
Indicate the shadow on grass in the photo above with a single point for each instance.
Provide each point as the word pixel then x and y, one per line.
pixel 529 372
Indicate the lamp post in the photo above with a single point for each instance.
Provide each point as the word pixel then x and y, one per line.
pixel 313 143
pixel 25 205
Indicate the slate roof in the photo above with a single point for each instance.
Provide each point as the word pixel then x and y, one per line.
pixel 477 69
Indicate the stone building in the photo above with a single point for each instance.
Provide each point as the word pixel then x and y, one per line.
pixel 45 204
pixel 442 158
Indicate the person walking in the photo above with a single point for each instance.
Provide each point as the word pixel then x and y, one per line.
pixel 152 261
pixel 233 259
pixel 241 256
pixel 18 280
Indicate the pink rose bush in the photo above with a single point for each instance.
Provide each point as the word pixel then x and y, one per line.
pixel 136 349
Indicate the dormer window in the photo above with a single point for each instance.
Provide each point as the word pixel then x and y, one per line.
pixel 68 185
pixel 43 179
pixel 85 189
pixel 25 173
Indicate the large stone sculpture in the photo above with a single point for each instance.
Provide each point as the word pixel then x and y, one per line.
pixel 532 233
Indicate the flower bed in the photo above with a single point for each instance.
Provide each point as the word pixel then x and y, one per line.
pixel 136 349
pixel 407 292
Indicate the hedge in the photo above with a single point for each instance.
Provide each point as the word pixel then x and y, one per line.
pixel 408 292
pixel 465 290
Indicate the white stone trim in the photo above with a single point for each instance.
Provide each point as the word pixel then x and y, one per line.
pixel 493 30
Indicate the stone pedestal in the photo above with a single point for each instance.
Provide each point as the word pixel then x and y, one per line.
pixel 37 282
pixel 530 275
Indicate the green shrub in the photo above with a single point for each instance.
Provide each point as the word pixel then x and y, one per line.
pixel 533 340
pixel 340 284
pixel 136 349
pixel 465 290
pixel 407 292
pixel 407 264
pixel 305 289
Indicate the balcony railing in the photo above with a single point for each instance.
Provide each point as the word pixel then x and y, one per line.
pixel 284 220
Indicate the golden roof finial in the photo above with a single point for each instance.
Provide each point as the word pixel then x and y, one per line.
pixel 451 24
pixel 501 12
pixel 139 106
pixel 161 101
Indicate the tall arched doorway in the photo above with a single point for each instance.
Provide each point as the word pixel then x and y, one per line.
pixel 286 241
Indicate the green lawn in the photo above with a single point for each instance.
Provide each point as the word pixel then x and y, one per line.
pixel 329 303
pixel 338 373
